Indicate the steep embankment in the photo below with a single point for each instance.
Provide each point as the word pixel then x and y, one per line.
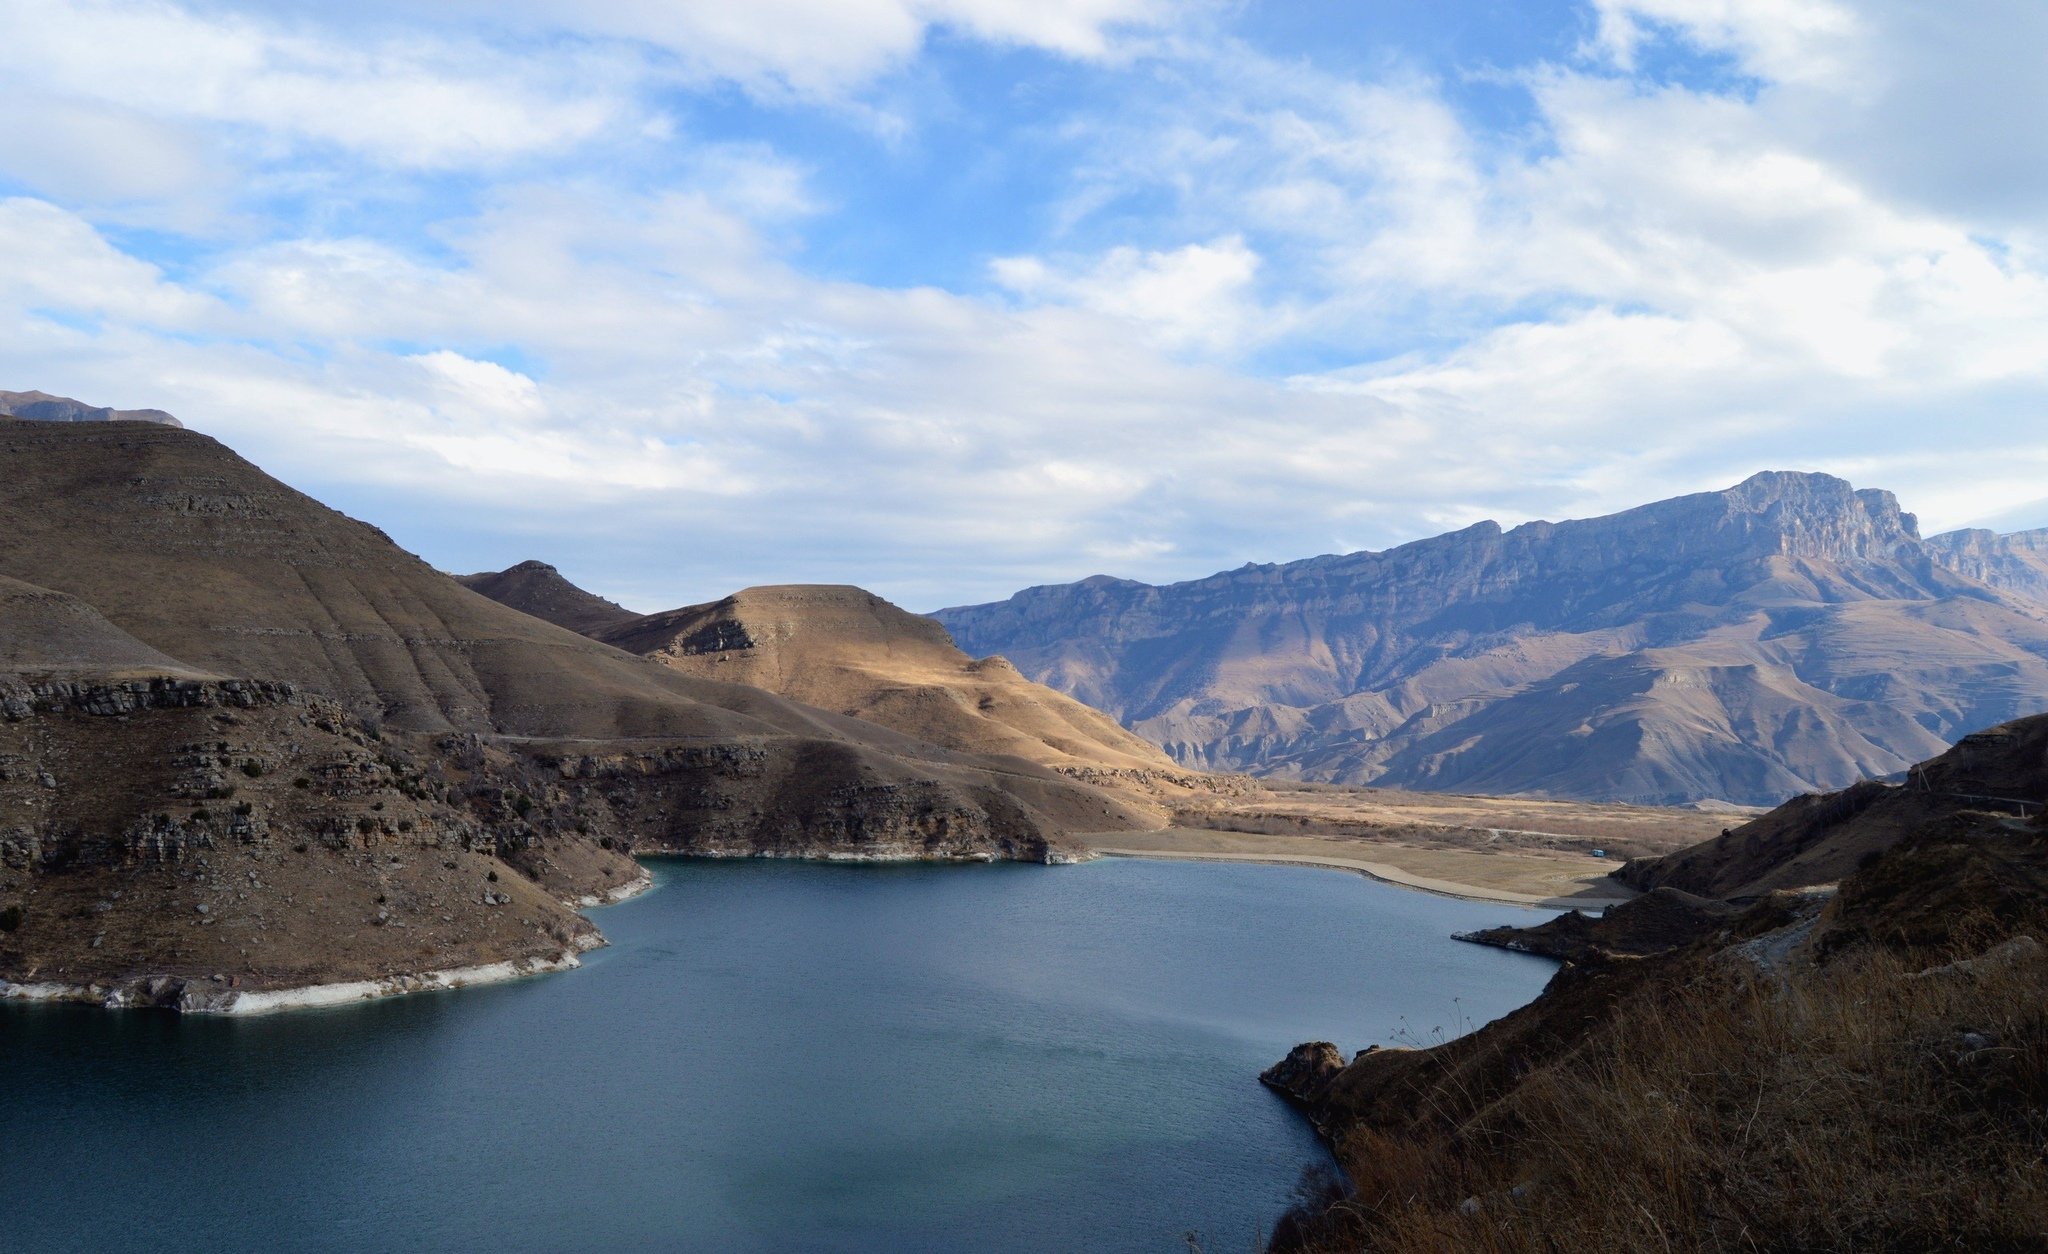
pixel 1863 1069
pixel 1788 634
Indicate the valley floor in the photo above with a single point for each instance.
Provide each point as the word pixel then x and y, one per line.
pixel 1557 881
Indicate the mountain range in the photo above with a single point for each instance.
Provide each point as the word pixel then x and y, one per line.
pixel 1786 635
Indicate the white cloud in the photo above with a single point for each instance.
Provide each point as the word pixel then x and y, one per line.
pixel 59 263
pixel 1649 288
pixel 829 47
pixel 412 100
pixel 1192 297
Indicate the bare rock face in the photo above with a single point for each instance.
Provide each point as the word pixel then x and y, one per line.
pixel 2016 563
pixel 43 407
pixel 1305 1072
pixel 1789 634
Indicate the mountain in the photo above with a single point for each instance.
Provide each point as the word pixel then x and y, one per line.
pixel 1788 634
pixel 219 693
pixel 842 648
pixel 43 407
pixel 2017 562
pixel 538 589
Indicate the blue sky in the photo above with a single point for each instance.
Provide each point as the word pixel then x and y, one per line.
pixel 947 297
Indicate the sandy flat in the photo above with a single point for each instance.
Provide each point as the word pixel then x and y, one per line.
pixel 1553 881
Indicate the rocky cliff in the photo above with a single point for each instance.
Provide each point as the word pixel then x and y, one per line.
pixel 1787 634
pixel 2016 562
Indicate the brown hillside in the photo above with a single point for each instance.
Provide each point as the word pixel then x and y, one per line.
pixel 1821 838
pixel 538 589
pixel 49 635
pixel 1862 1069
pixel 844 649
pixel 431 725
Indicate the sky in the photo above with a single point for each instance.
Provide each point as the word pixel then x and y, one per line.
pixel 950 297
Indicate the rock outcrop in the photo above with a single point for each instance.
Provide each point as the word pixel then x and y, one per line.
pixel 2016 562
pixel 1789 634
pixel 1659 920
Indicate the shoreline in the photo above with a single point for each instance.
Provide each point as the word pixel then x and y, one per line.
pixel 624 892
pixel 193 996
pixel 153 993
pixel 186 996
pixel 1380 871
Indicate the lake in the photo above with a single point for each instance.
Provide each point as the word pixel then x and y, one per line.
pixel 772 1056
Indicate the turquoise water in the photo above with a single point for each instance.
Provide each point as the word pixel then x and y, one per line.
pixel 771 1057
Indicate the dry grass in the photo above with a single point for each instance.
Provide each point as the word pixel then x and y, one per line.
pixel 1845 1107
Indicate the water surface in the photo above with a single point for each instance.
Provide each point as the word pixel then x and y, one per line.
pixel 771 1057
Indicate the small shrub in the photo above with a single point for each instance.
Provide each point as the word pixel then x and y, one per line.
pixel 405 825
pixel 300 847
pixel 522 805
pixel 244 808
pixel 492 877
pixel 202 815
pixel 302 782
pixel 252 768
pixel 366 825
pixel 12 918
pixel 604 842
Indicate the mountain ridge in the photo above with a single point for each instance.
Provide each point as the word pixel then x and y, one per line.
pixel 43 407
pixel 1790 633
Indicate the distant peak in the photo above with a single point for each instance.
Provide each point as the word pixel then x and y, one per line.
pixel 1777 482
pixel 43 407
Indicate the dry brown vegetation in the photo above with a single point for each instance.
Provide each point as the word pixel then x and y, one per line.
pixel 1891 1097
pixel 1844 1109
